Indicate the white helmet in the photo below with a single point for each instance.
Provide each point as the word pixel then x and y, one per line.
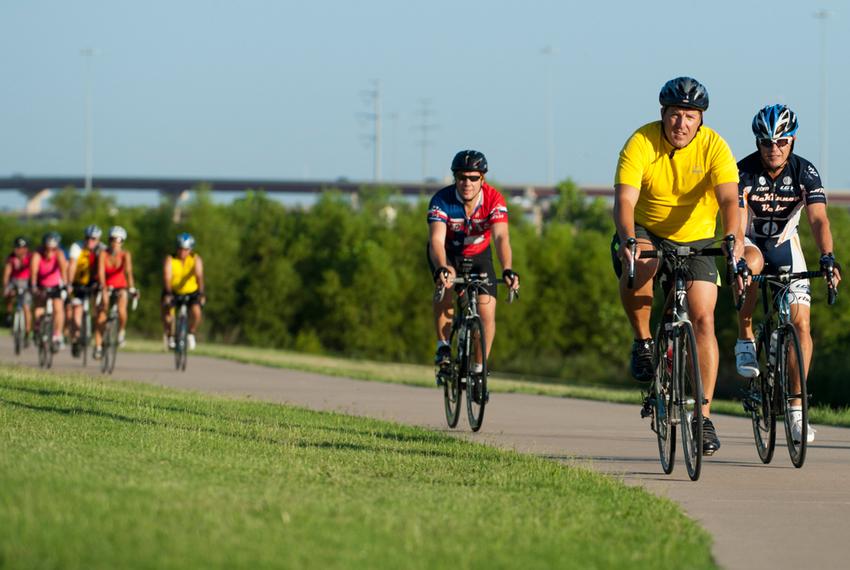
pixel 117 232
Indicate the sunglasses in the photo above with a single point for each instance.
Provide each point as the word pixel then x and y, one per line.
pixel 471 178
pixel 767 143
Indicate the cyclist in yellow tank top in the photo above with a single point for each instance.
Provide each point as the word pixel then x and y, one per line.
pixel 673 176
pixel 183 274
pixel 82 275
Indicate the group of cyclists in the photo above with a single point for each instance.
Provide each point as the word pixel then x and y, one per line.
pixel 67 280
pixel 673 177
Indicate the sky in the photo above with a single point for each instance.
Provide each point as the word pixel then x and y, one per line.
pixel 277 89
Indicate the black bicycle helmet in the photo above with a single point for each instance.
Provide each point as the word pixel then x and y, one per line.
pixel 51 239
pixel 469 160
pixel 21 241
pixel 684 92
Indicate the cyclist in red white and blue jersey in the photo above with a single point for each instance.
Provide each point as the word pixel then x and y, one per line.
pixel 775 187
pixel 462 219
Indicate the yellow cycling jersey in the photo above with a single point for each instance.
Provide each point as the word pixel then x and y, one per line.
pixel 677 200
pixel 183 280
pixel 84 270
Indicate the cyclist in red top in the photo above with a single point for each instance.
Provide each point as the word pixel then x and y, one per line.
pixel 47 269
pixel 16 281
pixel 462 217
pixel 115 273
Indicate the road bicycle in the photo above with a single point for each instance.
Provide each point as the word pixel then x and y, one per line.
pixel 181 305
pixel 780 362
pixel 675 397
pixel 44 328
pixel 111 329
pixel 83 341
pixel 19 320
pixel 469 350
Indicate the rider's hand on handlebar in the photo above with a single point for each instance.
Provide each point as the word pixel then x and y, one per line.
pixel 511 279
pixel 444 276
pixel 828 264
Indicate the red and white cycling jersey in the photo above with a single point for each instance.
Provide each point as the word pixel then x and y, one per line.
pixel 468 235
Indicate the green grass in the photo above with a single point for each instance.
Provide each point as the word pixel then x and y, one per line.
pixel 418 375
pixel 98 474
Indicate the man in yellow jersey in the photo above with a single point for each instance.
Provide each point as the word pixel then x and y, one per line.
pixel 82 269
pixel 672 177
pixel 183 275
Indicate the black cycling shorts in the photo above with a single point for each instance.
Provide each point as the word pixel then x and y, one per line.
pixel 482 264
pixel 192 298
pixel 699 268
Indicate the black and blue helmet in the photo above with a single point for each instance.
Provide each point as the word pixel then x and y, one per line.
pixel 775 122
pixel 684 92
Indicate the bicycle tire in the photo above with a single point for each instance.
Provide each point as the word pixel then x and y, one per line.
pixel 181 343
pixel 47 340
pixel 476 382
pixel 791 353
pixel 110 346
pixel 662 404
pixel 451 382
pixel 85 334
pixel 19 329
pixel 690 397
pixel 43 348
pixel 762 397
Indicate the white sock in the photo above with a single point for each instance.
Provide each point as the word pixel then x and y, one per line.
pixel 478 368
pixel 442 343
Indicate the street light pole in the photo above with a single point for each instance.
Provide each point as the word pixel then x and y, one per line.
pixel 823 17
pixel 88 54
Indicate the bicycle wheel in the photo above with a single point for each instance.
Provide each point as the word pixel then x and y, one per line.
pixel 476 382
pixel 47 339
pixel 110 346
pixel 85 335
pixel 19 329
pixel 760 403
pixel 689 397
pixel 44 326
pixel 181 343
pixel 790 362
pixel 451 381
pixel 662 401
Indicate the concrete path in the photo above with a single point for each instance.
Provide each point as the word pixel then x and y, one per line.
pixel 761 516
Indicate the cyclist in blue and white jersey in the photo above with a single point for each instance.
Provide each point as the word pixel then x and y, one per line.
pixel 775 187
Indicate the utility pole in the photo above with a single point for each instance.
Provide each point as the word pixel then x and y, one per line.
pixel 88 54
pixel 424 127
pixel 373 98
pixel 549 53
pixel 823 17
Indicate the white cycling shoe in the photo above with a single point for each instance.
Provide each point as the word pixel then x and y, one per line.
pixel 797 427
pixel 190 341
pixel 745 358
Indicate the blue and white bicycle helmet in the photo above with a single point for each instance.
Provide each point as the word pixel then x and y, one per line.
pixel 93 231
pixel 185 241
pixel 775 122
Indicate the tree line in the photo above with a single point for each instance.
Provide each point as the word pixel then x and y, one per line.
pixel 353 280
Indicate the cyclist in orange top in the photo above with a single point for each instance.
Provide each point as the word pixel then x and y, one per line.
pixel 115 273
pixel 16 277
pixel 47 270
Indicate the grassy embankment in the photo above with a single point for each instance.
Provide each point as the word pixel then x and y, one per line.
pixel 418 375
pixel 103 474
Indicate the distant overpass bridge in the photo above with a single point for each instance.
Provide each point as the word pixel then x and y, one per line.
pixel 37 188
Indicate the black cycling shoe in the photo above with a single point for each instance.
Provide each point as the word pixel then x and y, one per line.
pixel 442 360
pixel 710 442
pixel 641 364
pixel 443 356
